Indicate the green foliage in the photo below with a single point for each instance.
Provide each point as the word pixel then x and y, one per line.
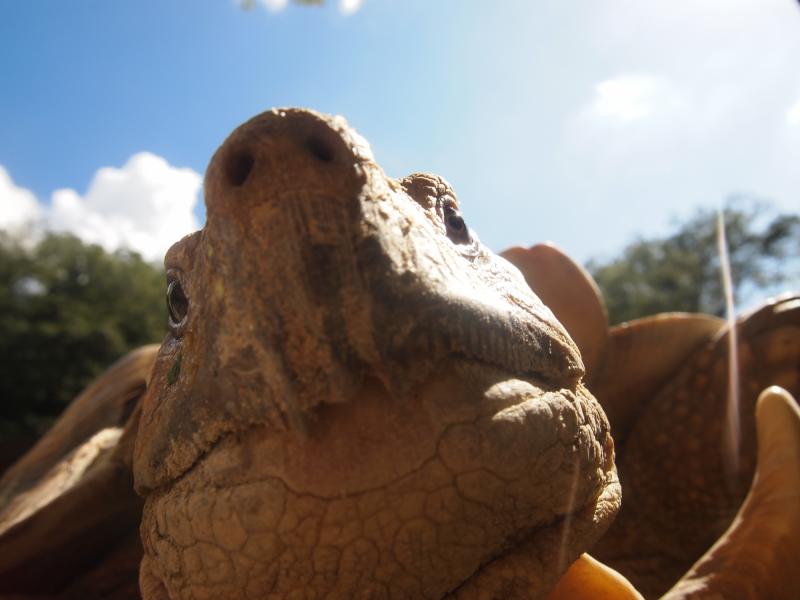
pixel 681 272
pixel 67 311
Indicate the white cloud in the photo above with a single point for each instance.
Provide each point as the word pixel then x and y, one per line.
pixel 274 5
pixel 145 206
pixel 716 120
pixel 348 7
pixel 18 206
pixel 632 118
pixel 793 114
pixel 629 97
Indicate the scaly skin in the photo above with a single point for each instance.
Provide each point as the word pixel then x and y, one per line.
pixel 681 489
pixel 445 481
pixel 361 400
pixel 756 558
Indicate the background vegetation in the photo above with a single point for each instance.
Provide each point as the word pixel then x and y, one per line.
pixel 681 272
pixel 67 311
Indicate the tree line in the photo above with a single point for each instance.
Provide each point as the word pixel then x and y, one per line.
pixel 682 272
pixel 67 310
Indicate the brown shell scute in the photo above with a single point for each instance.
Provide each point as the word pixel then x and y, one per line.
pixel 67 508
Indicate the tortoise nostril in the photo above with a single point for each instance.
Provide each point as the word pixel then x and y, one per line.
pixel 319 149
pixel 238 167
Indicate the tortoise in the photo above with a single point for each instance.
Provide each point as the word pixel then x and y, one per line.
pixel 356 398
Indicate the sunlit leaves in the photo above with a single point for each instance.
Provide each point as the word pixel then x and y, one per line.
pixel 681 272
pixel 67 311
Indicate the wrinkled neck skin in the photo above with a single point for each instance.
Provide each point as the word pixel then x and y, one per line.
pixel 357 399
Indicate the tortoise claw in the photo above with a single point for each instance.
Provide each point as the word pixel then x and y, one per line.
pixel 589 579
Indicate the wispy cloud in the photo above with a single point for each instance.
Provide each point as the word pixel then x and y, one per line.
pixel 793 114
pixel 634 97
pixel 348 7
pixel 274 5
pixel 145 206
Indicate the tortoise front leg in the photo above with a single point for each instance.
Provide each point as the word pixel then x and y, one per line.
pixel 757 556
pixel 682 488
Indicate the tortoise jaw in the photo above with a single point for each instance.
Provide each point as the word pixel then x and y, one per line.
pixel 436 484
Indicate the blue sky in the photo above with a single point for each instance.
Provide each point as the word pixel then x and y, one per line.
pixel 586 123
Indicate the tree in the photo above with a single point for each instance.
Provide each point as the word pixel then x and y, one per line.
pixel 681 272
pixel 67 310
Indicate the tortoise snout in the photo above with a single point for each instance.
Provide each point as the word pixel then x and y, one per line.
pixel 282 152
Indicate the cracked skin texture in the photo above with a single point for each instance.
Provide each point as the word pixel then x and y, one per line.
pixel 359 399
pixel 456 483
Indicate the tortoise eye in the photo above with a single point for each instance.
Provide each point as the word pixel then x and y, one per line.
pixel 457 229
pixel 177 304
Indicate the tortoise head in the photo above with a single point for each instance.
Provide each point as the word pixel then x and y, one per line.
pixel 355 393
